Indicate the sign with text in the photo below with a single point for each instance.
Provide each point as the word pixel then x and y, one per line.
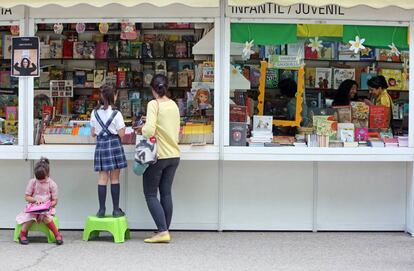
pixel 25 56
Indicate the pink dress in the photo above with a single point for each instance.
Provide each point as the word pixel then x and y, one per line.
pixel 43 190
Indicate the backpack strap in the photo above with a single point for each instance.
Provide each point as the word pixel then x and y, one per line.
pixel 105 127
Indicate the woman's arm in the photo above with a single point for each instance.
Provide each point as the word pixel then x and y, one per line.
pixel 33 68
pixel 151 120
pixel 16 67
pixel 121 132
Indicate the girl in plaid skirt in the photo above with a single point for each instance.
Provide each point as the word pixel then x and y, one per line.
pixel 108 126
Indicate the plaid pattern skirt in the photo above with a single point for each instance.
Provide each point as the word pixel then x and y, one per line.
pixel 109 153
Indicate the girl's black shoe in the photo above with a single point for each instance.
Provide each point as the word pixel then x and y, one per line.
pixel 101 213
pixel 23 242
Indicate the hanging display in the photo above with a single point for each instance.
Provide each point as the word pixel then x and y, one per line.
pixel 80 27
pixel 315 44
pixel 356 45
pixel 103 28
pixel 58 28
pixel 247 50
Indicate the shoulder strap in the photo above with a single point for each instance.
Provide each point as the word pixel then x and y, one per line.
pixel 108 122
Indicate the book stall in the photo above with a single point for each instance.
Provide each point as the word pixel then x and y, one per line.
pixel 265 142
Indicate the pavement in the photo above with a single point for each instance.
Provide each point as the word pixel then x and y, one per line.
pixel 356 251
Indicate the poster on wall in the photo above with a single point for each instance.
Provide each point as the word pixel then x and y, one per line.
pixel 25 56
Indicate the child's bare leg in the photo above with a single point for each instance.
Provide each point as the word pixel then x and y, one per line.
pixel 102 182
pixel 26 225
pixel 115 192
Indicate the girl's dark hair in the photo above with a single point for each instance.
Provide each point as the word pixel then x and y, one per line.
pixel 288 87
pixel 159 84
pixel 42 169
pixel 378 82
pixel 107 97
pixel 342 94
pixel 23 59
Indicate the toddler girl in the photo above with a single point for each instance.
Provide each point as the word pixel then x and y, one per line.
pixel 39 190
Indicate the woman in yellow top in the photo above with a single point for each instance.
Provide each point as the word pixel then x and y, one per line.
pixel 163 122
pixel 377 87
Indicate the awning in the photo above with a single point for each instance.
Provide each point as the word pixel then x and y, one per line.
pixel 406 4
pixel 100 3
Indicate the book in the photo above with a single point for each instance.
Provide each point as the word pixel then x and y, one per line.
pixel 344 53
pixel 393 77
pixel 180 49
pixel 238 132
pixel 79 79
pixel 45 51
pixel 124 49
pixel 89 51
pixel 340 75
pixel 148 75
pixel 378 116
pixel 169 49
pixel 185 65
pixel 121 79
pixel 238 113
pixel 323 78
pixel 263 123
pixel 182 79
pixel 78 49
pixel 309 54
pixel 208 72
pixel 160 66
pixel 99 78
pixel 326 52
pixel 343 114
pixel 147 50
pixel 254 76
pixel 386 55
pixel 136 49
pixel 365 76
pixel 346 132
pixel 111 78
pixel 172 79
pixel 272 78
pixel 158 49
pixel 295 49
pixel 360 114
pixel 361 134
pixel 67 49
pixel 137 79
pixel 56 48
pixel 368 54
pixel 125 108
pixel 285 74
pixel 310 75
pixel 112 49
pixel 101 50
pixel 11 113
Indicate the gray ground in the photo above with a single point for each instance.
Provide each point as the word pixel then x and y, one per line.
pixel 216 251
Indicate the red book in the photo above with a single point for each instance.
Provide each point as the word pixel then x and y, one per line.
pixel 309 54
pixel 101 50
pixel 378 116
pixel 238 113
pixel 11 113
pixel 121 79
pixel 67 49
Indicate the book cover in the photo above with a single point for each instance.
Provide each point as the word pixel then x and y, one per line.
pixel 56 48
pixel 137 79
pixel 45 51
pixel 238 113
pixel 136 49
pixel 158 49
pixel 160 65
pixel 89 50
pixel 121 79
pixel 112 49
pixel 181 50
pixel 254 76
pixel 56 74
pixel 340 75
pixel 148 75
pixel 309 54
pixel 125 108
pixel 393 77
pixel 147 50
pixel 361 134
pixel 368 54
pixel 344 53
pixel 262 123
pixel 310 75
pixel 185 65
pixel 99 77
pixel 111 79
pixel 346 132
pixel 124 49
pixel 169 49
pixel 11 113
pixel 272 78
pixel 136 107
pixel 285 74
pixel 67 49
pixel 182 79
pixel 79 79
pixel 365 76
pixel 208 73
pixel 101 50
pixel 323 78
pixel 296 49
pixel 360 114
pixel 326 52
pixel 378 116
pixel 78 49
pixel 343 114
pixel 238 133
pixel 272 50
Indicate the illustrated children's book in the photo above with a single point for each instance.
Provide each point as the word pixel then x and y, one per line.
pixel 360 113
pixel 323 78
pixel 340 75
pixel 378 116
pixel 394 78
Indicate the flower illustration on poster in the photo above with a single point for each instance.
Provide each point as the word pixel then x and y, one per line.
pixel 357 44
pixel 315 44
pixel 394 49
pixel 247 50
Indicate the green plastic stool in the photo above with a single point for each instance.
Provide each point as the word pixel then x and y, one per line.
pixel 39 227
pixel 118 227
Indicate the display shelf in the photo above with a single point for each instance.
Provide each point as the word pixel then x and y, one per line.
pixel 353 61
pixel 317 154
pixel 116 59
pixel 11 152
pixel 86 152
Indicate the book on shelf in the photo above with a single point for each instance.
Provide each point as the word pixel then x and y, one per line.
pixel 124 49
pixel 254 76
pixel 238 113
pixel 361 134
pixel 67 49
pixel 78 49
pixel 121 79
pixel 208 72
pixel 323 78
pixel 102 50
pixel 56 48
pixel 360 114
pixel 272 78
pixel 99 78
pixel 44 51
pixel 111 79
pixel 238 133
pixel 158 49
pixel 344 52
pixel 393 78
pixel 125 108
pixel 172 79
pixel 365 76
pixel 346 132
pixel 262 124
pixel 137 78
pixel 378 116
pixel 271 50
pixel 148 75
pixel 169 49
pixel 390 142
pixel 79 79
pixel 295 49
pixel 147 50
pixel 112 49
pixel 56 74
pixel 343 114
pixel 183 79
pixel 327 51
pixel 340 75
pixel 136 49
pixel 285 74
pixel 376 143
pixel 310 75
pixel 309 53
pixel 181 50
pixel 185 65
pixel 11 113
